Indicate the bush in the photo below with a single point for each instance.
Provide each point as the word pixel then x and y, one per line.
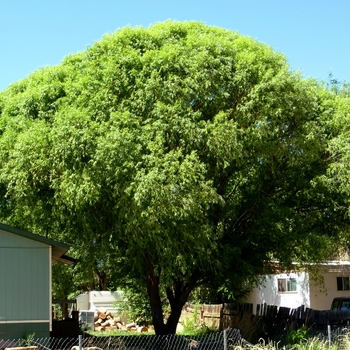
pixel 193 325
pixel 298 336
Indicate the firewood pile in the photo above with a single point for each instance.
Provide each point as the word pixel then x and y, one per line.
pixel 105 321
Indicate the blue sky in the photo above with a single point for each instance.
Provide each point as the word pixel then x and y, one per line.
pixel 313 34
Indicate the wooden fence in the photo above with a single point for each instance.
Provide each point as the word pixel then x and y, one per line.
pixel 226 315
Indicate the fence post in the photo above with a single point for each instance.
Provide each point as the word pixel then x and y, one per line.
pixel 225 340
pixel 329 335
pixel 80 342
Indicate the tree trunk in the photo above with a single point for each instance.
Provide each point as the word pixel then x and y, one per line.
pixel 64 311
pixel 174 318
pixel 177 298
pixel 156 305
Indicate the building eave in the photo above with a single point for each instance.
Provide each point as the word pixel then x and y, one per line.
pixel 59 249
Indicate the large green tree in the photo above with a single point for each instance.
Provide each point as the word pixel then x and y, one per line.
pixel 175 156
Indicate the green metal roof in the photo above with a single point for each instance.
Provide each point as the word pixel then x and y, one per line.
pixel 58 248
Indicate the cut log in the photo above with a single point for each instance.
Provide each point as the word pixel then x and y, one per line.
pixel 129 325
pixel 112 322
pixel 121 326
pixel 103 316
pixel 99 321
pixel 105 324
pixel 101 310
pixel 142 329
pixel 106 321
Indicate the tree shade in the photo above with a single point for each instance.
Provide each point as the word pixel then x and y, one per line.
pixel 175 156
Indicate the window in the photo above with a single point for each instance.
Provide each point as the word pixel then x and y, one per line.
pixel 345 305
pixel 287 285
pixel 343 283
pixel 335 305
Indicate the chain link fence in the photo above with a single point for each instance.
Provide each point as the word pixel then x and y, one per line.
pixel 332 334
pixel 212 341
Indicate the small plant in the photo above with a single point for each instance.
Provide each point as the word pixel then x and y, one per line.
pixel 316 344
pixel 345 341
pixel 26 340
pixel 193 325
pixel 298 336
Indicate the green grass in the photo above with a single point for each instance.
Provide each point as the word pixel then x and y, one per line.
pixel 117 333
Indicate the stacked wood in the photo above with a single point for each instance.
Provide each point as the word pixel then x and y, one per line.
pixel 105 321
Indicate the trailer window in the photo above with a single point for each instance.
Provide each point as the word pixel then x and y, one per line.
pixel 343 283
pixel 287 285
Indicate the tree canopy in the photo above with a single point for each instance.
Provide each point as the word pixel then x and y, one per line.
pixel 175 156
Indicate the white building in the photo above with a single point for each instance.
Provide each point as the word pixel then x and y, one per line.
pixel 293 289
pixel 95 299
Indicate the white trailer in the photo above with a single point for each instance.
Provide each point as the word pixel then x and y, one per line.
pixel 89 303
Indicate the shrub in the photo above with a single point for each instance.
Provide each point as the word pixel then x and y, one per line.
pixel 298 336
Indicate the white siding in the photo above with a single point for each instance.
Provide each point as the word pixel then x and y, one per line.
pixel 24 279
pixel 268 293
pixel 322 295
pixel 95 299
